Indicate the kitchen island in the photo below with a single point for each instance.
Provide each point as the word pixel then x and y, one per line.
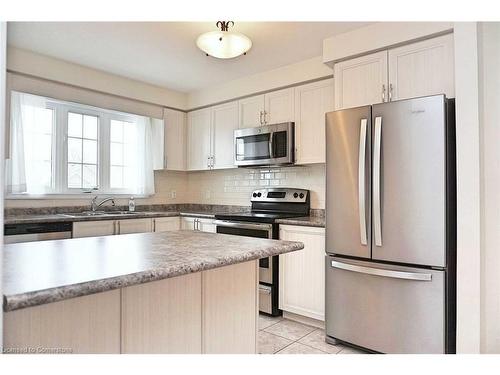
pixel 171 292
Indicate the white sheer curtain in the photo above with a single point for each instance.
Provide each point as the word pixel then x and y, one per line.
pixel 143 174
pixel 31 126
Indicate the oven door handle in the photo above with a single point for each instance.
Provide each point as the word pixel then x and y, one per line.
pixel 239 224
pixel 271 145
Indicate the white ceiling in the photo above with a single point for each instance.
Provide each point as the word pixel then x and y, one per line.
pixel 165 54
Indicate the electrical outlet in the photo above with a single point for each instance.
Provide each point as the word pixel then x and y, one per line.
pixel 173 194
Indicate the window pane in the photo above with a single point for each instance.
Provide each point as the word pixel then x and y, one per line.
pixel 89 151
pixel 90 127
pixel 116 178
pixel 74 175
pixel 89 176
pixel 74 150
pixel 74 125
pixel 116 154
pixel 116 131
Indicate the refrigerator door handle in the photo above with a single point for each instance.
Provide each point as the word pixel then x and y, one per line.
pixel 381 272
pixel 361 181
pixel 376 181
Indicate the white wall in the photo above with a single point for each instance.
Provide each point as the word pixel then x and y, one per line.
pixel 468 188
pixel 378 36
pixel 287 75
pixel 489 91
pixel 165 182
pixel 31 63
pixel 3 50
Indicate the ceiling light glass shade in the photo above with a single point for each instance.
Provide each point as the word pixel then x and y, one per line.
pixel 224 44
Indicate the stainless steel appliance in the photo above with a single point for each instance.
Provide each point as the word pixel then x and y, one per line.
pixel 268 205
pixel 391 226
pixel 14 233
pixel 264 145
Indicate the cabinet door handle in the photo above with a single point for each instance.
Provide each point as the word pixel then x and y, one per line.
pixel 208 162
pixel 383 93
pixel 390 92
pixel 154 225
pixel 119 227
pixel 260 117
pixel 265 121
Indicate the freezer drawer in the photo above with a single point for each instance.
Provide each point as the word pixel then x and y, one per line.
pixel 388 309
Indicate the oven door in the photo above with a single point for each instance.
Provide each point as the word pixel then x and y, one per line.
pixel 258 230
pixel 265 145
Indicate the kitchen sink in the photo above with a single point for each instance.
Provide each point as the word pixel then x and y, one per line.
pixel 98 213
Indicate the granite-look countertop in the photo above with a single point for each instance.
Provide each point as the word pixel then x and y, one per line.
pixel 36 273
pixel 52 218
pixel 307 221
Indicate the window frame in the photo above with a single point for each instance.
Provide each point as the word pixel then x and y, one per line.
pixel 60 189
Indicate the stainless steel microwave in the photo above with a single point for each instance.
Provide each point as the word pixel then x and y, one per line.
pixel 264 145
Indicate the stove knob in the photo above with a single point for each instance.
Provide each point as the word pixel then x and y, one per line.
pixel 301 195
pixel 254 195
pixel 295 195
pixel 259 194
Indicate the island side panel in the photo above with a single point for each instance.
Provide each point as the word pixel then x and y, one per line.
pixel 89 324
pixel 163 316
pixel 230 312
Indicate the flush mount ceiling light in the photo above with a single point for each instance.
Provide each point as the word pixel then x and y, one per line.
pixel 224 44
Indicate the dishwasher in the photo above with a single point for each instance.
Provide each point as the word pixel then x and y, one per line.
pixel 15 233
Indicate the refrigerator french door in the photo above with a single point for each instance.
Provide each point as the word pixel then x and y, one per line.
pixel 390 226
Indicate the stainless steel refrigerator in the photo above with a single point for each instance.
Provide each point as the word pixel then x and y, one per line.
pixel 391 226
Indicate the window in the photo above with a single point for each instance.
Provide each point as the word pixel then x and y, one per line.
pixel 82 151
pixel 68 148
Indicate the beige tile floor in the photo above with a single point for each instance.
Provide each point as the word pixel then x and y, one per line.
pixel 283 336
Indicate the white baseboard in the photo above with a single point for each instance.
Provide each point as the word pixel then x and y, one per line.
pixel 304 319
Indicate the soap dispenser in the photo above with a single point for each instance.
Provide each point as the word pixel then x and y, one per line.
pixel 131 204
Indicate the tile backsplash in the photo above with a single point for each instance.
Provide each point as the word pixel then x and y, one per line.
pixel 233 186
pixel 222 187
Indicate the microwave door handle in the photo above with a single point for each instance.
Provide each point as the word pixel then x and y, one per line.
pixel 271 145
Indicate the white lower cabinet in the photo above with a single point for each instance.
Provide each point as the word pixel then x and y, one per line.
pixel 166 224
pixel 302 273
pixel 204 225
pixel 94 228
pixel 110 227
pixel 134 226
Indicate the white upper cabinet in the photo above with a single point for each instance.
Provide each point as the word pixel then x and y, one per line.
pixel 272 108
pixel 418 69
pixel 423 68
pixel 198 151
pixel 312 102
pixel 175 139
pixel 251 111
pixel 279 106
pixel 224 122
pixel 361 81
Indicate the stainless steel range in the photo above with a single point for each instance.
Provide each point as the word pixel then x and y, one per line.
pixel 268 205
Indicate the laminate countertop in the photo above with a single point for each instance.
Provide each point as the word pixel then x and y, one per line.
pixel 59 218
pixel 37 273
pixel 306 221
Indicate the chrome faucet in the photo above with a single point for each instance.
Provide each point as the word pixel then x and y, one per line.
pixel 94 205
